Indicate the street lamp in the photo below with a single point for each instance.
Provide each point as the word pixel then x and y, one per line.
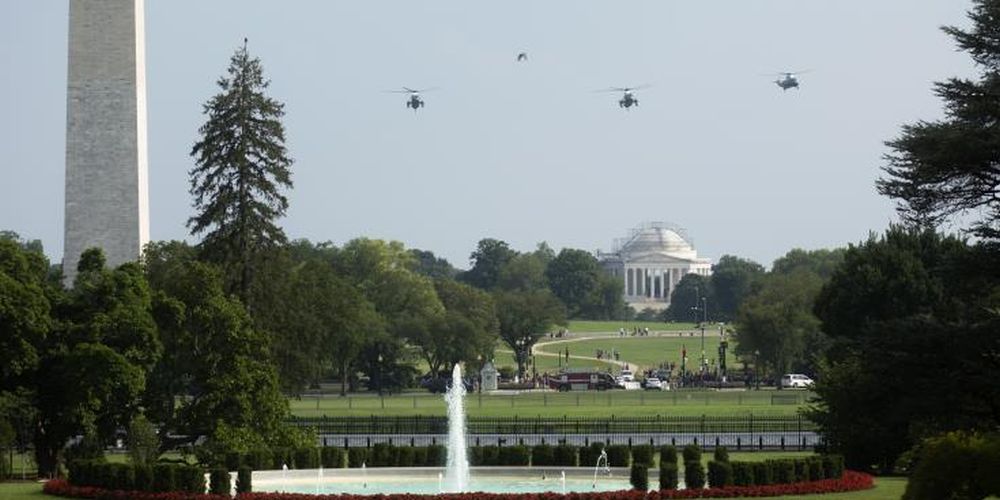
pixel 704 319
pixel 756 368
pixel 378 374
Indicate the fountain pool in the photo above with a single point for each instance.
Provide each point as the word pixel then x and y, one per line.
pixel 426 480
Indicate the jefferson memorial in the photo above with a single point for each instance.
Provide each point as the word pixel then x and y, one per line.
pixel 651 261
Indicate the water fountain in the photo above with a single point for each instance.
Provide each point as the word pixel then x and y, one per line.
pixel 562 482
pixel 597 466
pixel 457 471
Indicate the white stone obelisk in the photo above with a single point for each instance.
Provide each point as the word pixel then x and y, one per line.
pixel 107 186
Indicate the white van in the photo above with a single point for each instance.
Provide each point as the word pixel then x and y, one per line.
pixel 789 380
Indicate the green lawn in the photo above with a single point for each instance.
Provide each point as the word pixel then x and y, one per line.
pixel 579 326
pixel 647 351
pixel 22 490
pixel 582 403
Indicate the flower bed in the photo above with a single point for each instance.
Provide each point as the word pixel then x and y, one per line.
pixel 851 481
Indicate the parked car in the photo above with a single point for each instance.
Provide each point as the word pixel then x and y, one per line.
pixel 654 384
pixel 791 380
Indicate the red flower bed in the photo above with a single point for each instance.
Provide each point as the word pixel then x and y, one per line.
pixel 851 481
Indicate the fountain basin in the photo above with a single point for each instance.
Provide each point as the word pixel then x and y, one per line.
pixel 425 480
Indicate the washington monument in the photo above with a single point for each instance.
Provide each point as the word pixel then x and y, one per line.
pixel 107 187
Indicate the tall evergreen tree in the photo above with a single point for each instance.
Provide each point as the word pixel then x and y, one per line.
pixel 241 168
pixel 950 166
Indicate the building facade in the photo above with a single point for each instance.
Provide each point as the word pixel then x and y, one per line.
pixel 651 261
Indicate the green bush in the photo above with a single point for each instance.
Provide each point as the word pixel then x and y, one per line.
pixel 543 454
pixel 742 473
pixel 762 473
pixel 618 455
pixel 356 457
pixel 164 477
pixel 307 458
pixel 694 475
pixel 332 458
pixel 589 454
pixel 383 455
pixel 143 475
pixel 405 456
pixel 783 472
pixel 123 477
pixel 81 472
pixel 639 477
pixel 244 480
pixel 643 455
pixel 668 476
pixel 514 455
pixel 833 466
pixel 437 456
pixel 259 459
pixel 721 454
pixel 564 454
pixel 668 454
pixel 105 476
pixel 190 479
pixel 720 474
pixel 692 453
pixel 218 480
pixel 956 465
pixel 802 470
pixel 233 460
pixel 282 457
pixel 815 468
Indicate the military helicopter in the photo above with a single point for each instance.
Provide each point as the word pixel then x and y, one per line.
pixel 628 95
pixel 414 101
pixel 788 80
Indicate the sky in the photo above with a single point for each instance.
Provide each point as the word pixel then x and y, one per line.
pixel 523 152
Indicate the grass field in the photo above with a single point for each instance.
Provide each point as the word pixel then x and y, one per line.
pixel 613 326
pixel 645 351
pixel 582 404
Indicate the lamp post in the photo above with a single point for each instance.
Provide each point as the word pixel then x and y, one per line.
pixel 704 319
pixel 520 358
pixel 378 374
pixel 756 368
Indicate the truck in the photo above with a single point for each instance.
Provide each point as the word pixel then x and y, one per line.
pixel 582 380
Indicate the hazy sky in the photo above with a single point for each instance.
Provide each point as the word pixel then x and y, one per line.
pixel 521 152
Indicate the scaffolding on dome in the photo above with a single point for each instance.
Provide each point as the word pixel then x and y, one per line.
pixel 620 243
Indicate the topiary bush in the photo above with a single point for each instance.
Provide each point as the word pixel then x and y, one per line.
pixel 218 481
pixel 815 468
pixel 643 455
pixel 742 473
pixel 164 477
pixel 720 474
pixel 382 455
pixel 514 455
pixel 761 473
pixel 639 477
pixel 833 466
pixel 543 454
pixel 694 475
pixel 332 457
pixel 405 456
pixel 356 457
pixel 589 454
pixel 783 472
pixel 437 456
pixel 668 454
pixel 618 455
pixel 244 480
pixel 802 470
pixel 956 465
pixel 307 458
pixel 564 454
pixel 692 453
pixel 668 476
pixel 721 454
pixel 190 479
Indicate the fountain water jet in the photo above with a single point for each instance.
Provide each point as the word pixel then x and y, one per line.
pixel 457 471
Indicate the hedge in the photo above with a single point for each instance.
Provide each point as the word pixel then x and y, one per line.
pixel 639 477
pixel 668 454
pixel 691 453
pixel 694 475
pixel 721 454
pixel 720 474
pixel 668 476
pixel 618 455
pixel 543 454
pixel 643 455
pixel 742 473
pixel 590 454
pixel 218 480
pixel 851 481
pixel 244 480
pixel 565 455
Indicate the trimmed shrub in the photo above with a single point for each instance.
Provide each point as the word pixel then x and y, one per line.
pixel 122 477
pixel 720 474
pixel 833 466
pixel 419 456
pixel 668 476
pixel 514 455
pixel 281 457
pixel 692 453
pixel 721 454
pixel 356 457
pixel 543 454
pixel 668 454
pixel 259 459
pixel 437 456
pixel 639 477
pixel 589 454
pixel 564 454
pixel 244 480
pixel 143 477
pixel 307 458
pixel 762 473
pixel 643 455
pixel 332 457
pixel 815 468
pixel 742 473
pixel 783 471
pixel 383 455
pixel 218 481
pixel 802 470
pixel 694 475
pixel 164 477
pixel 405 456
pixel 618 455
pixel 190 479
pixel 233 460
